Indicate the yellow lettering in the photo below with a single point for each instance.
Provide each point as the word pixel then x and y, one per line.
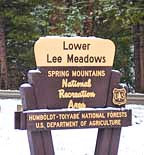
pixel 83 123
pixel 61 73
pixel 116 114
pixel 75 83
pixel 62 124
pixel 76 105
pixel 69 116
pixel 88 73
pixel 92 115
pixel 80 94
pixel 39 125
pixel 105 122
pixel 41 117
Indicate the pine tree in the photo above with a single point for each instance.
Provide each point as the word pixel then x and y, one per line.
pixel 3 62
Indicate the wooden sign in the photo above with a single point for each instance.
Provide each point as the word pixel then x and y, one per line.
pixel 73 87
pixel 76 70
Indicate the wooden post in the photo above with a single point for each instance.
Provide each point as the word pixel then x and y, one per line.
pixel 40 141
pixel 107 141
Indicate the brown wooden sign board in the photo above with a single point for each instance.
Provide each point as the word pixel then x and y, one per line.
pixel 62 119
pixel 73 73
pixel 82 88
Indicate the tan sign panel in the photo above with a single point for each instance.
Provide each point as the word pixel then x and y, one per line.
pixel 74 51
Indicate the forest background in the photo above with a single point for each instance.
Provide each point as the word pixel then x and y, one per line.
pixel 22 22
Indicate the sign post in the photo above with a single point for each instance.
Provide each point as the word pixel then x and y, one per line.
pixel 73 87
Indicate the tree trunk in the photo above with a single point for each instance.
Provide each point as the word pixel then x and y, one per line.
pixel 88 27
pixel 139 57
pixel 3 64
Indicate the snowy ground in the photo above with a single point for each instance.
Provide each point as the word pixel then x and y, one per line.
pixel 68 142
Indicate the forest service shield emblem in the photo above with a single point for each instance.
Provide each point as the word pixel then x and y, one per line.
pixel 119 96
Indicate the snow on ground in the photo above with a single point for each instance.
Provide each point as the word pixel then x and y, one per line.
pixel 68 142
